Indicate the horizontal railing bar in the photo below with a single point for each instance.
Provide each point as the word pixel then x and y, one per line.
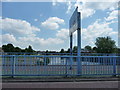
pixel 30 65
pixel 54 56
pixel 55 74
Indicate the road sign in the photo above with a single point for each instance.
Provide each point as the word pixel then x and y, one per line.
pixel 74 23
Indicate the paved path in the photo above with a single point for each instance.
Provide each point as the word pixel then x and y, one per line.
pixel 85 84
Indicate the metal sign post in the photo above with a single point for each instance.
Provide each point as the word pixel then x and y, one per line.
pixel 79 45
pixel 75 24
pixel 71 59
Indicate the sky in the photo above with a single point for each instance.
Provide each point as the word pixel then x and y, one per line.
pixel 45 25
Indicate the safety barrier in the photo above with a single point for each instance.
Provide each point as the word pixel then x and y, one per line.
pixel 58 65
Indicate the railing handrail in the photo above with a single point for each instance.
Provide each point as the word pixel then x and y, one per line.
pixel 54 53
pixel 57 56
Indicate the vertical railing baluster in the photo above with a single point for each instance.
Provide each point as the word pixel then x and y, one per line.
pixel 45 63
pixel 114 66
pixel 4 65
pixel 66 67
pixel 13 66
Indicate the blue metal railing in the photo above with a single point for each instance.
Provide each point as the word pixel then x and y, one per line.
pixel 58 65
pixel 41 53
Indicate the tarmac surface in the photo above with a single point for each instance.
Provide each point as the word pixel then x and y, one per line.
pixel 82 84
pixel 61 82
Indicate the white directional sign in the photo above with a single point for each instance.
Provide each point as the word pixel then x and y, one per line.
pixel 74 23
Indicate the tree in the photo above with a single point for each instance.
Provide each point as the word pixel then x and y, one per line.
pixel 47 51
pixel 94 49
pixel 29 49
pixel 17 49
pixel 4 47
pixel 118 51
pixel 105 45
pixel 75 49
pixel 8 48
pixel 68 51
pixel 62 51
pixel 88 48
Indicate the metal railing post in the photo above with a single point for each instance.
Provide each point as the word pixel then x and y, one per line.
pixel 114 66
pixel 66 67
pixel 13 66
pixel 79 68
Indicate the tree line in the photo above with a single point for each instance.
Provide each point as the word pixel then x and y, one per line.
pixel 102 45
pixel 10 48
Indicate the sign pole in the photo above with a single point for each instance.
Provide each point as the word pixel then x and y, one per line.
pixel 79 45
pixel 75 24
pixel 71 50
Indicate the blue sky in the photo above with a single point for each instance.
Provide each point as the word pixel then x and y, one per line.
pixel 44 25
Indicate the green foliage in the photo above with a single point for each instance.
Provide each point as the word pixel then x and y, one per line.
pixel 118 51
pixel 62 51
pixel 4 47
pixel 29 49
pixel 105 45
pixel 94 49
pixel 47 51
pixel 17 49
pixel 10 48
pixel 88 48
pixel 75 49
pixel 68 51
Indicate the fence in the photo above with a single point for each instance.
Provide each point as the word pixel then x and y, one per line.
pixel 56 65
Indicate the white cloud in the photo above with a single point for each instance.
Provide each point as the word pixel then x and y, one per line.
pixel 113 33
pixel 63 34
pixel 88 8
pixel 6 0
pixel 35 20
pixel 113 15
pixel 97 29
pixel 17 27
pixel 41 41
pixel 101 5
pixel 52 23
pixel 54 2
pixel 112 8
pixel 8 38
pixel 85 11
pixel 21 33
pixel 36 42
pixel 69 6
pixel 89 34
